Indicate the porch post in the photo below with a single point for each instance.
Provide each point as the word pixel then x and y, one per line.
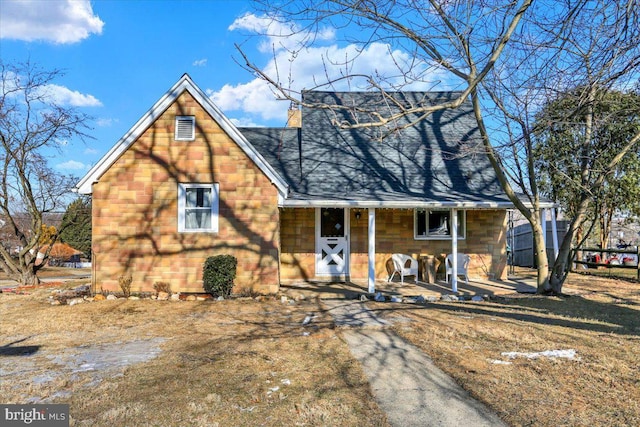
pixel 372 250
pixel 454 250
pixel 554 233
pixel 544 227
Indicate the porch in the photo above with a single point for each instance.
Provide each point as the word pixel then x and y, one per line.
pixel 523 281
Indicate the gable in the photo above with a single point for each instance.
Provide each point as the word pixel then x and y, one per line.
pixel 185 84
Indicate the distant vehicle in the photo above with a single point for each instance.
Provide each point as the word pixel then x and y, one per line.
pixel 613 260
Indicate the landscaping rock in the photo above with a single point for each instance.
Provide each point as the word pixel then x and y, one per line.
pixel 163 296
pixel 190 298
pixel 364 298
pixel 111 297
pixel 77 292
pixel 83 289
pixel 134 298
pixel 220 298
pixel 477 298
pixel 99 297
pixel 379 297
pixel 75 301
pixel 449 298
pixel 175 297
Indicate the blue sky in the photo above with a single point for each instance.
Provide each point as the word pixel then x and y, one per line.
pixel 119 57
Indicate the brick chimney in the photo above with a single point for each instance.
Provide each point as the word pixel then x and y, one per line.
pixel 294 117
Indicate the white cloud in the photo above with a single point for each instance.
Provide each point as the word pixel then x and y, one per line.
pixel 200 62
pixel 72 165
pixel 311 67
pixel 65 96
pixel 57 21
pixel 90 151
pixel 245 122
pixel 278 34
pixel 104 122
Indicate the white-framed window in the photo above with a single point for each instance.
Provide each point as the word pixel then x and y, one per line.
pixel 435 224
pixel 198 207
pixel 185 128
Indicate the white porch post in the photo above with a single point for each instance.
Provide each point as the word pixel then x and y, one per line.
pixel 554 233
pixel 454 250
pixel 544 228
pixel 372 250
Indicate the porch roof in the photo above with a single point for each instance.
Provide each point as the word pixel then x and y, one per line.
pixel 438 163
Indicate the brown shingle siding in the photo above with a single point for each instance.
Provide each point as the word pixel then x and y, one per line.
pixel 135 205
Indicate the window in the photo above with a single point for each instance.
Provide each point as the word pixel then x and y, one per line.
pixel 185 128
pixel 198 207
pixel 436 224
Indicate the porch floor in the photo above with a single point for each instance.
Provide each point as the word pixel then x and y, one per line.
pixel 521 282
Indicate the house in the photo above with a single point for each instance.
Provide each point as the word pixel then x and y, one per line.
pixel 296 203
pixel 59 254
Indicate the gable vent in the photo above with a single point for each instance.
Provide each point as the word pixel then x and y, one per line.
pixel 185 128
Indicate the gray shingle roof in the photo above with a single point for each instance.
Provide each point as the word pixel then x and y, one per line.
pixel 437 162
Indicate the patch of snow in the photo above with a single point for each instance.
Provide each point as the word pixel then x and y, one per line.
pixel 499 362
pixel 565 354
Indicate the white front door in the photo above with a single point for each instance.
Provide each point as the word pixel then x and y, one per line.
pixel 332 243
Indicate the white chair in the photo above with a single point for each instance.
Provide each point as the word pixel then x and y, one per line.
pixel 400 266
pixel 463 266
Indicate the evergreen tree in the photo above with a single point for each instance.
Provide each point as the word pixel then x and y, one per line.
pixel 76 225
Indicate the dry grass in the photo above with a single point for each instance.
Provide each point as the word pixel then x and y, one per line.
pixel 601 321
pixel 234 362
pixel 248 362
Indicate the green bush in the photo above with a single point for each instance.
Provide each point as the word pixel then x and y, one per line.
pixel 218 274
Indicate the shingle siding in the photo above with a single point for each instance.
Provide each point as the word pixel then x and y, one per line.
pixel 135 210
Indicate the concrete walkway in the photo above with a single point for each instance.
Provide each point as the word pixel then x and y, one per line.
pixel 405 382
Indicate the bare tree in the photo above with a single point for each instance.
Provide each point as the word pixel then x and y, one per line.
pixel 581 49
pixel 31 122
pixel 508 57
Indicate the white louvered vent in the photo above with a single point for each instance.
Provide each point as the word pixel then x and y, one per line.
pixel 185 128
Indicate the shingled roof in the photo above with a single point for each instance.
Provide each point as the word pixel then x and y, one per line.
pixel 438 162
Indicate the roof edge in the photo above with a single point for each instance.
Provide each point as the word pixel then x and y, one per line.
pixel 381 204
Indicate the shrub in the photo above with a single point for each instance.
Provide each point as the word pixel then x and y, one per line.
pixel 218 274
pixel 162 287
pixel 125 285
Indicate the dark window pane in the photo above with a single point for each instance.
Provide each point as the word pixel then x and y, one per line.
pixel 332 222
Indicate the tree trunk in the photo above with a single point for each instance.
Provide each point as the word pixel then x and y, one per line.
pixel 28 277
pixel 542 262
pixel 578 238
pixel 561 265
